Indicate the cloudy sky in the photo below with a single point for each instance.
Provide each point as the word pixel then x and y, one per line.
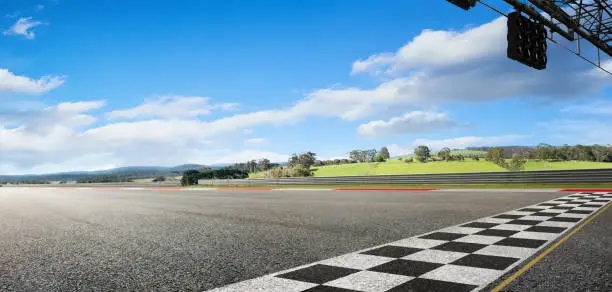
pixel 90 85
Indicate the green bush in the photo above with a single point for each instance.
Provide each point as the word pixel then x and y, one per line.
pixel 517 163
pixel 297 170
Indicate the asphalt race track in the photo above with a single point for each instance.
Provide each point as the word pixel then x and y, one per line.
pixel 101 240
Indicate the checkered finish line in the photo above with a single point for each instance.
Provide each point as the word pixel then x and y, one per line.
pixel 465 257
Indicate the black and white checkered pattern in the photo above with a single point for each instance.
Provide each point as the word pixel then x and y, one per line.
pixel 465 257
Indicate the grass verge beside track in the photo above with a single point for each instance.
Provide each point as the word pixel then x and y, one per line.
pixel 471 186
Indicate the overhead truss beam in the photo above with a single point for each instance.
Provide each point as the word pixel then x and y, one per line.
pixel 590 20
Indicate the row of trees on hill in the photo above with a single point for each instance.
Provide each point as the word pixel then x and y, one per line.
pixel 104 179
pixel 543 151
pixel 334 162
pixel 191 177
pixel 369 155
pixel 597 153
pixel 518 155
pixel 300 164
pixel 25 181
pixel 262 164
pixel 496 155
pixel 422 153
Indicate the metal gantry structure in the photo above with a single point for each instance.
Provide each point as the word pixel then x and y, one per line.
pixel 574 20
pixel 590 20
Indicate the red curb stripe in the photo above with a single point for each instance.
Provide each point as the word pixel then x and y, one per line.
pixel 585 190
pixel 384 189
pixel 243 189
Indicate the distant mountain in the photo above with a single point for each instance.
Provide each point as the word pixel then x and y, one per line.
pixel 128 172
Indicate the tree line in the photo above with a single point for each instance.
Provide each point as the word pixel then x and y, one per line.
pixel 422 153
pixel 26 181
pixel 105 179
pixel 543 151
pixel 301 164
pixel 298 165
pixel 191 177
pixel 255 165
pixel 595 153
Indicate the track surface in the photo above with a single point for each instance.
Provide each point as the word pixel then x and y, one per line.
pixel 69 240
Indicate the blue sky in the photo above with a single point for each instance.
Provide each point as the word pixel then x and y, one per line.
pixel 98 84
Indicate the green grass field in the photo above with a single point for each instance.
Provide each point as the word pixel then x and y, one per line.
pixel 466 186
pixel 395 166
pixel 453 152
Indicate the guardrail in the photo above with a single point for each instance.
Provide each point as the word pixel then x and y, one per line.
pixel 522 177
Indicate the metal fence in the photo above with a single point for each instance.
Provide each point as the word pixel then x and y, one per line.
pixel 522 177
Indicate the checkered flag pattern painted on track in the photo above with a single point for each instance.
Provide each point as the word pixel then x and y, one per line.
pixel 465 257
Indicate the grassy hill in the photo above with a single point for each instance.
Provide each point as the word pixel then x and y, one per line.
pixel 464 152
pixel 396 166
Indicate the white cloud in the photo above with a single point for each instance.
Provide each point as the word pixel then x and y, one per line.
pixel 443 66
pixel 601 107
pixel 39 7
pixel 455 143
pixel 499 79
pixel 23 27
pixel 398 150
pixel 21 84
pixel 586 132
pixel 56 136
pixel 174 131
pixel 472 79
pixel 469 141
pixel 439 48
pixel 345 156
pixel 245 155
pixel 228 106
pixel 68 114
pixel 256 141
pixel 85 162
pixel 173 106
pixel 12 15
pixel 411 122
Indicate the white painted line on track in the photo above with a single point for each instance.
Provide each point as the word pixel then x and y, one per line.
pixel 465 257
pixel 133 189
pixel 304 189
